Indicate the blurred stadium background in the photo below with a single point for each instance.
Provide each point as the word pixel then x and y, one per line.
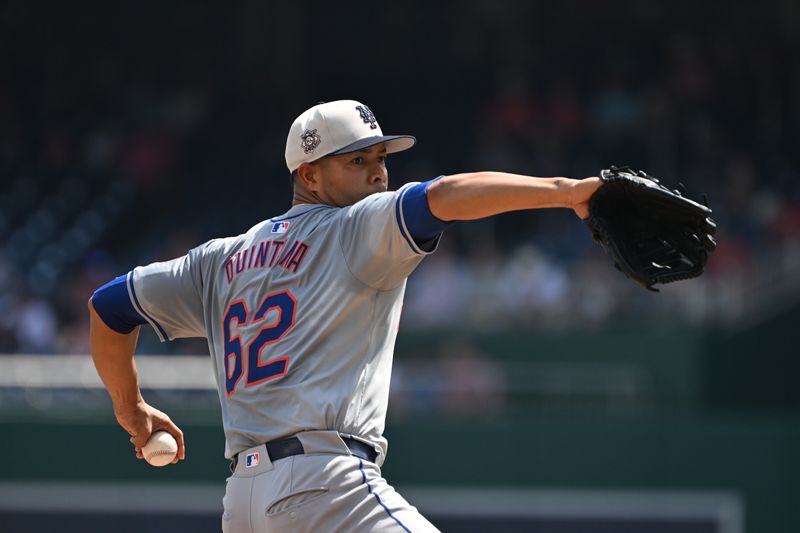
pixel 535 389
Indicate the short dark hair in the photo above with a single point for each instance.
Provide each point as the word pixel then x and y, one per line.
pixel 292 178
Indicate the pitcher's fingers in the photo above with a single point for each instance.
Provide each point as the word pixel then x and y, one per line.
pixel 139 440
pixel 181 455
pixel 178 434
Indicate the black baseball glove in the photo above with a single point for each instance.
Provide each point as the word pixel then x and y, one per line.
pixel 653 234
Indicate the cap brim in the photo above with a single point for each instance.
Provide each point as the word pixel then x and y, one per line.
pixel 394 144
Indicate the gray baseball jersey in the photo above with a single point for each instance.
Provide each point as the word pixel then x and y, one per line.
pixel 301 314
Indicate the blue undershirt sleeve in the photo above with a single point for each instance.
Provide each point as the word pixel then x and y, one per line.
pixel 421 223
pixel 114 307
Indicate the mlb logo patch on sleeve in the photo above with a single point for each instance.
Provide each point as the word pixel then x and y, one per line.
pixel 251 460
pixel 280 227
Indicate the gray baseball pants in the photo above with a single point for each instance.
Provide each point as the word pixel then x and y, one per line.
pixel 324 489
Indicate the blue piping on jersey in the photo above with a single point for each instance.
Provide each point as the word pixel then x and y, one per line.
pixel 415 219
pixel 421 223
pixel 380 502
pixel 113 305
pixel 301 214
pixel 398 211
pixel 142 312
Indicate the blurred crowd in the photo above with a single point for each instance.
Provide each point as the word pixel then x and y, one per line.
pixel 173 146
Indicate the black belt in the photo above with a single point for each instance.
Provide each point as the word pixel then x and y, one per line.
pixel 280 449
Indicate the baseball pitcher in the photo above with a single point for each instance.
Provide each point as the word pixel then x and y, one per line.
pixel 301 314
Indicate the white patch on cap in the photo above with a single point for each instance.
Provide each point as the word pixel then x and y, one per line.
pixel 310 139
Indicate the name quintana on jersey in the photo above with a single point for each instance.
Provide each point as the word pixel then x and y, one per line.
pixel 266 254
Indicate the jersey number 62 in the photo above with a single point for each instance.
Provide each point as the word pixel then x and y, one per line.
pixel 256 370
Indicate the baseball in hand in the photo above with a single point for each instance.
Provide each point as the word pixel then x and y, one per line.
pixel 160 449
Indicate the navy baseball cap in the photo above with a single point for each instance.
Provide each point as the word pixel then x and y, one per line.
pixel 335 128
